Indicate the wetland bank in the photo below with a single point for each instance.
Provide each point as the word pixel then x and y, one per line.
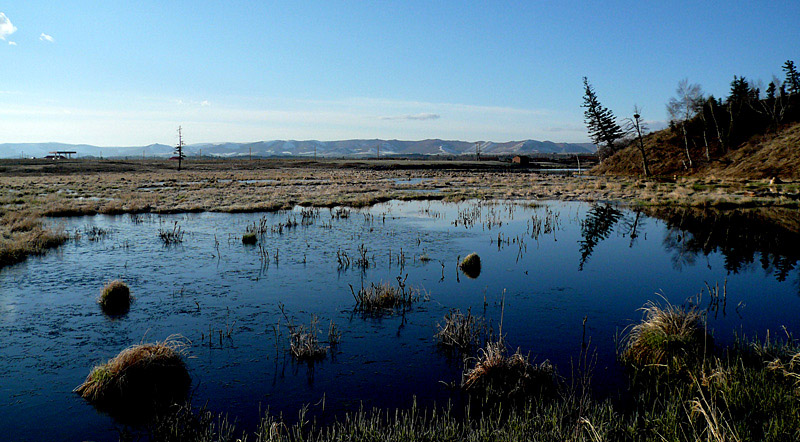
pixel 563 271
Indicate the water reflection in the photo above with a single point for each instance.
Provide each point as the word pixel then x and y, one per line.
pixel 770 237
pixel 226 297
pixel 596 227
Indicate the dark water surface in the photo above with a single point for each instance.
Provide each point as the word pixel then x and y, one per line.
pixel 552 263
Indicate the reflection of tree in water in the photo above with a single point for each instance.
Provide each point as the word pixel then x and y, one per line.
pixel 599 223
pixel 743 236
pixel 631 223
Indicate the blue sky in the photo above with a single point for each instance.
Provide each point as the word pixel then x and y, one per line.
pixel 128 73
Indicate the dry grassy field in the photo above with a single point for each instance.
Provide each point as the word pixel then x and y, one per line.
pixel 32 189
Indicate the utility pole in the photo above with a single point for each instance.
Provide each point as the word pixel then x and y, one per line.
pixel 477 151
pixel 379 151
pixel 250 155
pixel 179 148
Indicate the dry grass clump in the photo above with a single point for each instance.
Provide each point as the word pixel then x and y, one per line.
pixel 498 374
pixel 668 336
pixel 139 378
pixel 249 238
pixel 21 221
pixel 471 265
pixel 787 365
pixel 459 331
pixel 35 239
pixel 115 299
pixel 304 343
pixel 384 297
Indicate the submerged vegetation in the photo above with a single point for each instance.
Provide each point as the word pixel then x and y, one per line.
pixel 115 299
pixel 174 236
pixel 304 342
pixel 140 379
pixel 385 297
pixel 459 331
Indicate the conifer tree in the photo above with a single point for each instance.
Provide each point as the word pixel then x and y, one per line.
pixel 792 77
pixel 600 121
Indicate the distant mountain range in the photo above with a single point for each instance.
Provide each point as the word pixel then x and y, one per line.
pixel 345 148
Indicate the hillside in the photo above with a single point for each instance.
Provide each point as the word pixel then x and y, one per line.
pixel 309 148
pixel 762 156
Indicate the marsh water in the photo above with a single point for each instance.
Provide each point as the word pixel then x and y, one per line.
pixel 545 267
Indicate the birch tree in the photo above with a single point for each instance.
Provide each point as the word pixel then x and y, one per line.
pixel 682 108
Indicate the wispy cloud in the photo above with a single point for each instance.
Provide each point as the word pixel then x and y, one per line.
pixel 565 128
pixel 189 103
pixel 6 28
pixel 12 43
pixel 48 38
pixel 418 117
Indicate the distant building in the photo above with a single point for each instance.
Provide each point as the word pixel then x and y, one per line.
pixel 60 154
pixel 522 160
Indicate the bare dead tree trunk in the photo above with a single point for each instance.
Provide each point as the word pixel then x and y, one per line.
pixel 641 144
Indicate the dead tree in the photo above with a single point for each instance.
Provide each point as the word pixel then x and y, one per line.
pixel 179 148
pixel 637 127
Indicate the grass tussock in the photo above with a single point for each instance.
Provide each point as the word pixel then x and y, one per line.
pixel 669 336
pixel 385 297
pixel 460 331
pixel 500 375
pixel 145 376
pixel 115 299
pixel 249 238
pixel 733 396
pixel 471 265
pixel 304 343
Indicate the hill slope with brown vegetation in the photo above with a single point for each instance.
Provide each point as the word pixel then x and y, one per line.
pixel 773 154
pixel 750 134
